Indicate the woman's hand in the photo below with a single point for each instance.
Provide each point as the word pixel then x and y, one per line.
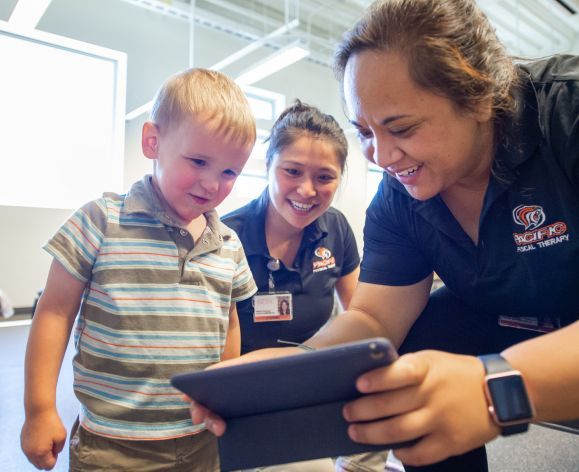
pixel 435 397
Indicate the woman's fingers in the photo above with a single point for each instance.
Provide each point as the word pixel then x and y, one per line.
pixel 397 429
pixel 394 389
pixel 433 397
pixel 382 405
pixel 409 370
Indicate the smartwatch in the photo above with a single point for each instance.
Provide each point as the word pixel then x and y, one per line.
pixel 509 404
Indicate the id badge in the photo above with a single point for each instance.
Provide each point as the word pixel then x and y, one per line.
pixel 531 323
pixel 275 306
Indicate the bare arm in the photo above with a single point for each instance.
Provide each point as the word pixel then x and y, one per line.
pixel 549 366
pixel 345 287
pixel 374 311
pixel 377 310
pixel 438 397
pixel 43 434
pixel 233 341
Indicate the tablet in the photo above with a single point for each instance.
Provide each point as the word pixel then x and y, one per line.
pixel 290 408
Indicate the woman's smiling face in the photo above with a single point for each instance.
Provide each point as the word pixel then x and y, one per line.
pixel 420 138
pixel 303 179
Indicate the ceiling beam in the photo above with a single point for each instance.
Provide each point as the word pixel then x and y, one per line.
pixel 27 13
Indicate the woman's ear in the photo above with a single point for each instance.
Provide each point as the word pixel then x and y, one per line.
pixel 484 111
pixel 150 140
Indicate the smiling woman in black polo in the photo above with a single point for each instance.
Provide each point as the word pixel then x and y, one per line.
pixel 299 249
pixel 295 243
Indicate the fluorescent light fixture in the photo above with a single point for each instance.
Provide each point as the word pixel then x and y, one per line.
pixel 27 13
pixel 269 65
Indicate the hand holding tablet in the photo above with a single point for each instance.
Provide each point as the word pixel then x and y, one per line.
pixel 287 409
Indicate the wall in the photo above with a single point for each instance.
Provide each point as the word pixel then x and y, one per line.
pixel 156 47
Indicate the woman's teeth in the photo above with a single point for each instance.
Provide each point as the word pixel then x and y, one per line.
pixel 409 171
pixel 305 207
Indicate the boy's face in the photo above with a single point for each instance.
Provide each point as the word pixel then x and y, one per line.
pixel 195 167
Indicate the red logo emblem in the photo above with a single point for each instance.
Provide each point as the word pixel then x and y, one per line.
pixel 327 260
pixel 529 216
pixel 323 253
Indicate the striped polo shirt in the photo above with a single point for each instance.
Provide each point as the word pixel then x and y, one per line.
pixel 156 304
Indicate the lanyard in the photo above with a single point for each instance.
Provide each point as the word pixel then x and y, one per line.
pixel 273 265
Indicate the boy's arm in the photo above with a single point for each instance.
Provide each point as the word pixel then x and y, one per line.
pixel 43 434
pixel 233 341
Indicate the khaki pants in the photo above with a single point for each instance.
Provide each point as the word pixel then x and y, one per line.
pixel 318 465
pixel 364 462
pixel 90 452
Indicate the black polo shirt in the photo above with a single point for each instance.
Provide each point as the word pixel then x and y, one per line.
pixel 312 285
pixel 527 258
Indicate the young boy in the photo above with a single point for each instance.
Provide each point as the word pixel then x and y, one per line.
pixel 154 277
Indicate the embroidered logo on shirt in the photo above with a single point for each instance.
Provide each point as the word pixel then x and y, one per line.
pixel 531 217
pixel 325 259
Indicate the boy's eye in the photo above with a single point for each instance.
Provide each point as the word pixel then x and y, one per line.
pixel 230 173
pixel 197 162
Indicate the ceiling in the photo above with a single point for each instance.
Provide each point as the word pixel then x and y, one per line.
pixel 529 28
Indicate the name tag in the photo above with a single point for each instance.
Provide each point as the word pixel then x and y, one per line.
pixel 531 323
pixel 276 306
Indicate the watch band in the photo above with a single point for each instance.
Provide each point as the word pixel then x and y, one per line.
pixel 496 364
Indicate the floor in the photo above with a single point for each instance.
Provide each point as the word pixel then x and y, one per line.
pixel 541 449
pixel 12 348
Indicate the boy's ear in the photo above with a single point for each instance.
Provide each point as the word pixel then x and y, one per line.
pixel 150 140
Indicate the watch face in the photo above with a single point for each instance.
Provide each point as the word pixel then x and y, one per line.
pixel 510 399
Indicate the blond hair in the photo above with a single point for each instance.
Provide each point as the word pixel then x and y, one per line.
pixel 208 96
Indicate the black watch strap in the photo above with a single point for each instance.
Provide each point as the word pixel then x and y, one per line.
pixel 496 364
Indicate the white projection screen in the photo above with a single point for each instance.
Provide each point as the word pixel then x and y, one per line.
pixel 62 105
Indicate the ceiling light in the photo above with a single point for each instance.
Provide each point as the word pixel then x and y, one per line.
pixel 27 13
pixel 269 65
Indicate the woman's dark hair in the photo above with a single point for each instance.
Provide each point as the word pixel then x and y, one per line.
pixel 451 48
pixel 284 307
pixel 301 119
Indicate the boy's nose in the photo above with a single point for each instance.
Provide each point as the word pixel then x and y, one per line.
pixel 210 185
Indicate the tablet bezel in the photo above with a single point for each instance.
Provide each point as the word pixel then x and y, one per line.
pixel 310 378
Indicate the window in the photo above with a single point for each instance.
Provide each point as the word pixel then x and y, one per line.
pixel 373 179
pixel 266 107
pixel 62 112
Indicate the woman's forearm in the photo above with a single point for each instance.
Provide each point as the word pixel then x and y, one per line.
pixel 550 367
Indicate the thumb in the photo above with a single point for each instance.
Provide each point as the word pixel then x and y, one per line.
pixel 57 446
